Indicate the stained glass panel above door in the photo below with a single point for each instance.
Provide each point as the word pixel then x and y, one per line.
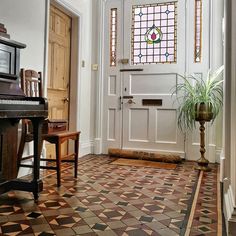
pixel 154 33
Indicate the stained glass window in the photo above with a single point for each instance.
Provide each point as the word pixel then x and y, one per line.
pixel 113 36
pixel 198 31
pixel 154 33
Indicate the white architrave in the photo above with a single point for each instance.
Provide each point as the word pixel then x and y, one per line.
pixel 229 157
pixel 99 82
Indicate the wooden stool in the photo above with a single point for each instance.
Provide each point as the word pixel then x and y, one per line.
pixel 54 131
pixel 58 139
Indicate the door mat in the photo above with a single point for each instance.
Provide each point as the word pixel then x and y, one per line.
pixel 143 163
pixel 150 156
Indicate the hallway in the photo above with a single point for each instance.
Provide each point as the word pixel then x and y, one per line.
pixel 109 199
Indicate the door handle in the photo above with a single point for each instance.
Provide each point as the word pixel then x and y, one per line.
pixel 130 101
pixel 66 100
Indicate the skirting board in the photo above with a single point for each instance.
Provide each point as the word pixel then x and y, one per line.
pixel 97 146
pixel 86 148
pixel 229 210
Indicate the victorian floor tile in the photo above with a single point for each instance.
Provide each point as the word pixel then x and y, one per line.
pixel 108 199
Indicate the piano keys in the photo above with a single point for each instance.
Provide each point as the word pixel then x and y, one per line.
pixel 14 105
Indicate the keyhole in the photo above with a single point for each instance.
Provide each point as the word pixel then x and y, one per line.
pixel 125 89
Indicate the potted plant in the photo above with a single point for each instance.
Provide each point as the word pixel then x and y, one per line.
pixel 199 100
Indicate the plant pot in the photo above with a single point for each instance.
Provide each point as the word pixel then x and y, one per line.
pixel 203 112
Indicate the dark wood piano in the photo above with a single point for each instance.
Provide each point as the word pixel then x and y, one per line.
pixel 14 105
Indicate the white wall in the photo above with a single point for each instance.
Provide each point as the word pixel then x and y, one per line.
pixel 25 22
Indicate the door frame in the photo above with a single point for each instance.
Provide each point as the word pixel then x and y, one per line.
pixel 214 29
pixel 75 67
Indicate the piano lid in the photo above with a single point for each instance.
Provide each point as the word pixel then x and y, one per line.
pixel 11 42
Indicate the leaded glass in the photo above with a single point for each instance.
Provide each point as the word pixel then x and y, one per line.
pixel 154 33
pixel 113 36
pixel 198 31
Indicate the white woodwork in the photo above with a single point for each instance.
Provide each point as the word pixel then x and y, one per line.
pixel 152 84
pixel 112 83
pixel 137 125
pixel 111 125
pixel 166 132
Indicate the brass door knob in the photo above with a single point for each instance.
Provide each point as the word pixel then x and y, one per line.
pixel 66 100
pixel 130 101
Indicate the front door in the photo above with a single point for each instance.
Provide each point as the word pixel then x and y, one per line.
pixel 147 44
pixel 154 45
pixel 145 55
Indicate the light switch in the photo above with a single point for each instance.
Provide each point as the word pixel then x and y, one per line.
pixel 95 67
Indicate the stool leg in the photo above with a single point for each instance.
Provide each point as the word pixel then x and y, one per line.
pixel 76 155
pixel 58 162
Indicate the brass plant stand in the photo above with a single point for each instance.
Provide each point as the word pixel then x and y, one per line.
pixel 202 162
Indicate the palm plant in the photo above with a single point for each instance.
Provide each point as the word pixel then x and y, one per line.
pixel 191 96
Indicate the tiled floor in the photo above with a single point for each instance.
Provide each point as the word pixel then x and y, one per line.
pixel 108 199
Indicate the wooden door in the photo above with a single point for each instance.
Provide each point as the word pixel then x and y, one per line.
pixel 58 87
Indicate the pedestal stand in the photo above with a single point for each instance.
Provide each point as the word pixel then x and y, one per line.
pixel 202 162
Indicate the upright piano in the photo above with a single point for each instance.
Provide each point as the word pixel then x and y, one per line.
pixel 14 106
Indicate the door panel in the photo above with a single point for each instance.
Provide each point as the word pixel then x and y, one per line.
pixel 166 131
pixel 148 84
pixel 138 128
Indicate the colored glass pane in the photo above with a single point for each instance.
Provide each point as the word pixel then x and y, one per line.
pixel 113 36
pixel 198 31
pixel 154 33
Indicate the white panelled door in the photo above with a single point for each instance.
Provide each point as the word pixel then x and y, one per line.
pixel 154 43
pixel 146 47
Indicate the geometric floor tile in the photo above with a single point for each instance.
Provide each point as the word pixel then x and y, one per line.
pixel 14 228
pixel 52 204
pixel 8 209
pixel 108 199
pixel 146 219
pixel 112 215
pixel 46 233
pixel 135 231
pixel 64 220
pixel 99 227
pixel 34 215
pixel 153 208
pixel 205 229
